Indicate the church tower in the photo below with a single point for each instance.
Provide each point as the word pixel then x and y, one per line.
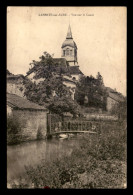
pixel 69 49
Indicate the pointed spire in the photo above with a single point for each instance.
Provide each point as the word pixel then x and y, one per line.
pixel 69 33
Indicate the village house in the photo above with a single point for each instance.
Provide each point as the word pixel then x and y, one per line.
pixel 113 99
pixel 15 84
pixel 32 116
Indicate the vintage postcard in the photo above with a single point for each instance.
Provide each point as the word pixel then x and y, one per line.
pixel 66 97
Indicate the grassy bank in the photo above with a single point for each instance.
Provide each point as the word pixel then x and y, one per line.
pixel 98 162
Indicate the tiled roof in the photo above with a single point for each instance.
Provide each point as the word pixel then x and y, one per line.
pixel 62 66
pixel 18 102
pixel 115 95
pixel 29 71
pixel 69 80
pixel 69 42
pixel 61 61
pixel 11 77
pixel 74 70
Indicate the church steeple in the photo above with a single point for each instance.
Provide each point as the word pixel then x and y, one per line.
pixel 69 49
pixel 69 33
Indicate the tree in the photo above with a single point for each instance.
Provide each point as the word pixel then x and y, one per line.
pixel 46 67
pixel 99 79
pixel 42 93
pixel 15 126
pixel 120 110
pixel 93 89
pixel 63 104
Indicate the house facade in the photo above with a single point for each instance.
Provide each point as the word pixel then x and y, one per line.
pixel 113 99
pixel 32 117
pixel 15 84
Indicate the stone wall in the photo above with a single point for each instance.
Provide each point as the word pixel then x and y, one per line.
pixel 16 88
pixel 32 122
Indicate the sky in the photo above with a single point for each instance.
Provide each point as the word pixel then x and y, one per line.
pixel 99 33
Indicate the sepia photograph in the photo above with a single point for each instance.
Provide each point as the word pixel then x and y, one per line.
pixel 66 97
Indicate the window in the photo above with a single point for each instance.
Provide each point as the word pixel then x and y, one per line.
pixel 67 52
pixel 63 52
pixel 70 52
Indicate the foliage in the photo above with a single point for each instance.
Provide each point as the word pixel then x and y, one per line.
pixel 39 133
pixel 46 67
pixel 14 129
pixel 120 110
pixel 14 124
pixel 65 105
pixel 51 92
pixel 99 79
pixel 42 92
pixel 93 89
pixel 98 162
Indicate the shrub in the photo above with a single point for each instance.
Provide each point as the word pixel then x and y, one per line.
pixel 14 129
pixel 96 163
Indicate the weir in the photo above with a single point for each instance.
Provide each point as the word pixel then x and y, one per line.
pixel 67 132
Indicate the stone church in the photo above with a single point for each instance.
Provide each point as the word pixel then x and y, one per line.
pixel 69 49
pixel 71 73
pixel 69 63
pixel 69 52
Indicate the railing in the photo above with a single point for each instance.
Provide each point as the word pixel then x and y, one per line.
pixel 55 124
pixel 75 126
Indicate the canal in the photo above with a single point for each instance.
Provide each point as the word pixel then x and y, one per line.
pixel 31 153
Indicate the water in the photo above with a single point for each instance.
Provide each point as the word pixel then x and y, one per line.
pixel 31 153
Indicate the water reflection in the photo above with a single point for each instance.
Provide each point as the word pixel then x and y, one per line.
pixel 33 152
